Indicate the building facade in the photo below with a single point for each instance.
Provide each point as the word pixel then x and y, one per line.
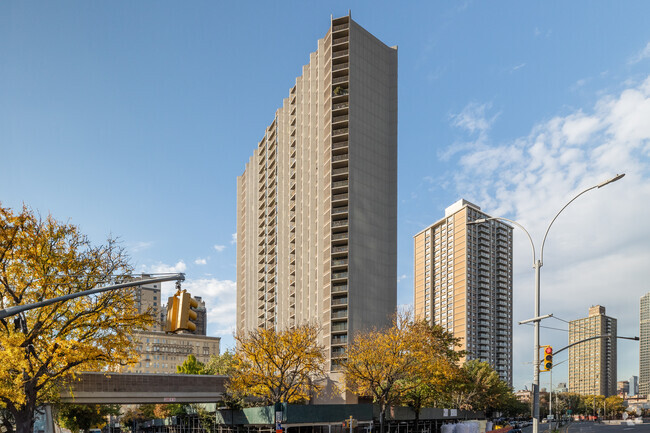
pixel 161 352
pixel 317 202
pixel 644 345
pixel 592 364
pixel 463 282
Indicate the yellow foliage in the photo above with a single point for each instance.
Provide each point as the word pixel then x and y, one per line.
pixel 285 366
pixel 406 358
pixel 43 259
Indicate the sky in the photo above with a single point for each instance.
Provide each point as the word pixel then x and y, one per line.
pixel 134 119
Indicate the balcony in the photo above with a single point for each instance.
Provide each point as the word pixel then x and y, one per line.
pixel 340 224
pixel 340 210
pixel 339 275
pixel 339 158
pixel 340 288
pixel 340 250
pixel 340 327
pixel 339 80
pixel 342 40
pixel 340 53
pixel 339 339
pixel 340 66
pixel 339 263
pixel 342 184
pixel 340 131
pixel 340 314
pixel 341 118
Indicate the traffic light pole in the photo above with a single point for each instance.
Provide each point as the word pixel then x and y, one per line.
pixel 537 265
pixel 12 311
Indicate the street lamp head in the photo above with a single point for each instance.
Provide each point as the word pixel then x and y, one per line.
pixel 614 179
pixel 478 221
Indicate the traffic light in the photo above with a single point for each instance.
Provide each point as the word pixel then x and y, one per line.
pixel 172 313
pixel 185 315
pixel 547 362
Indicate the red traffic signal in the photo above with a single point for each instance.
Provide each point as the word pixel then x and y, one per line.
pixel 547 362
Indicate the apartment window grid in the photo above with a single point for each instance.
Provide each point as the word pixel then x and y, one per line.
pixel 644 345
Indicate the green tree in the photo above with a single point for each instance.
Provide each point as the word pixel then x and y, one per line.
pixel 479 387
pixel 82 417
pixel 191 366
pixel 223 364
pixel 433 347
pixel 43 259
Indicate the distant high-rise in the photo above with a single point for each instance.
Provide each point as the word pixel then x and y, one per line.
pixel 148 299
pixel 634 385
pixel 463 282
pixel 644 345
pixel 317 202
pixel 592 364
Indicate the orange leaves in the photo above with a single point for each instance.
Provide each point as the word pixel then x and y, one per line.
pixel 386 364
pixel 42 259
pixel 284 366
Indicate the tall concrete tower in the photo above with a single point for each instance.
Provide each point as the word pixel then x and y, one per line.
pixel 317 202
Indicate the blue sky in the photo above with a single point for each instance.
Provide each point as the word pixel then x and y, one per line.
pixel 135 118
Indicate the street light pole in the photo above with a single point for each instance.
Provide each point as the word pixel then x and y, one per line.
pixel 537 265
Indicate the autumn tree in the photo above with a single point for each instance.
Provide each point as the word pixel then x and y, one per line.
pixel 279 366
pixel 405 362
pixel 43 259
pixel 614 406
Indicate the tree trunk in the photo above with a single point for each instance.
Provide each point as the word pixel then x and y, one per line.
pixel 25 418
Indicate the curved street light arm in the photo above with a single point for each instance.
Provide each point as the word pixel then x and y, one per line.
pixel 600 185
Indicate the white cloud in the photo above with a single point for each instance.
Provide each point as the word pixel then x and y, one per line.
pixel 519 66
pixel 220 302
pixel 162 268
pixel 473 118
pixel 200 261
pixel 641 55
pixel 233 238
pixel 596 252
pixel 401 277
pixel 136 247
pixel 219 248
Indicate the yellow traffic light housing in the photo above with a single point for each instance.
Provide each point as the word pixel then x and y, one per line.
pixel 186 316
pixel 547 362
pixel 172 313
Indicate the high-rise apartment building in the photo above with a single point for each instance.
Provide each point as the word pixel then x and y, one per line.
pixel 592 364
pixel 634 385
pixel 463 282
pixel 147 298
pixel 644 345
pixel 317 202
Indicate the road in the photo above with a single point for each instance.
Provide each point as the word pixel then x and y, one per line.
pixel 590 427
